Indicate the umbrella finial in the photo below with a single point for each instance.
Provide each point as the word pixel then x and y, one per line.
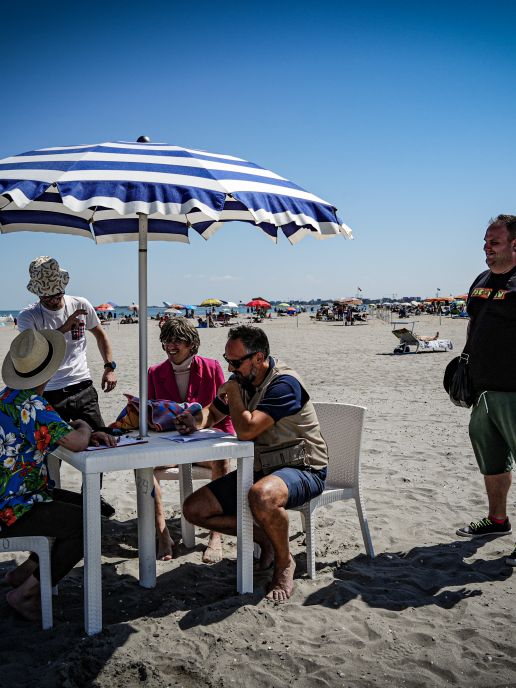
pixel 143 139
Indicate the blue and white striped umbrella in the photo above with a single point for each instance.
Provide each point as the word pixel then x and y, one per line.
pixel 98 191
pixel 138 191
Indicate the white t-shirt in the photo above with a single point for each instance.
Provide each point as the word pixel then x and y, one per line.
pixel 74 367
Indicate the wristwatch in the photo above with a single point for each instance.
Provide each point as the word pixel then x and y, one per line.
pixel 110 364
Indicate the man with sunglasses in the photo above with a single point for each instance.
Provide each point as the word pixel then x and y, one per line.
pixel 268 404
pixel 70 390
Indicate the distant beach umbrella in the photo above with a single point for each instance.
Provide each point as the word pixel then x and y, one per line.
pixel 211 302
pixel 229 304
pixel 348 301
pixel 258 303
pixel 104 307
pixel 283 305
pixel 120 191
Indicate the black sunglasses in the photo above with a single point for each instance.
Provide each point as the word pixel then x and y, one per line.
pixel 53 297
pixel 237 362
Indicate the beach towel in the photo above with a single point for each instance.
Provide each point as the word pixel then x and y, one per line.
pixel 162 414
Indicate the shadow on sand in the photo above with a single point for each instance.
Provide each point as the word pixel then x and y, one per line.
pixel 416 578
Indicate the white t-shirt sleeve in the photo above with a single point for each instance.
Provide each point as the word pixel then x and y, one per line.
pixel 25 320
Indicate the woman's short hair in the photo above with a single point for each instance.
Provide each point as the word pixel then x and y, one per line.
pixel 181 329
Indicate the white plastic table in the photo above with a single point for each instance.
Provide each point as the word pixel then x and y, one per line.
pixel 143 458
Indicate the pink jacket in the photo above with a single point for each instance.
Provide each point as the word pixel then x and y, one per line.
pixel 206 377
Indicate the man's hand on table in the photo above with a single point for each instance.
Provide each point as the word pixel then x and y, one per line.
pixel 186 423
pixel 97 438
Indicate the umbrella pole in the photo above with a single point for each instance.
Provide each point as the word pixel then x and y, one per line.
pixel 144 476
pixel 143 221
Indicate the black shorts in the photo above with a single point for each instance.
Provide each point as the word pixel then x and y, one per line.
pixel 302 485
pixel 77 405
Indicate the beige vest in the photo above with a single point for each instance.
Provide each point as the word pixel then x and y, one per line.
pixel 302 425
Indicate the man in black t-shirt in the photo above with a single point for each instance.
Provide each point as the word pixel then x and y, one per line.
pixel 491 347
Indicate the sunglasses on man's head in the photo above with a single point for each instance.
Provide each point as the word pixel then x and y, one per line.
pixel 237 362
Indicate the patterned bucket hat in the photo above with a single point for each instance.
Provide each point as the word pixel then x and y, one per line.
pixel 46 278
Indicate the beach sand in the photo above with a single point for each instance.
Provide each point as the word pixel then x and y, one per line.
pixel 432 609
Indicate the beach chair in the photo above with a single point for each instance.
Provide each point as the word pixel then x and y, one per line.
pixel 191 473
pixel 408 339
pixel 41 545
pixel 341 427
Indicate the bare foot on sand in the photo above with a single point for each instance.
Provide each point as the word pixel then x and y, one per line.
pixel 282 584
pixel 165 544
pixel 213 552
pixel 26 599
pixel 20 574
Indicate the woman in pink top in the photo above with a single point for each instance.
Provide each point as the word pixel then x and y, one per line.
pixel 185 376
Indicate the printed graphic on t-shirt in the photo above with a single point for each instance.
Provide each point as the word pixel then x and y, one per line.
pixel 500 294
pixel 481 292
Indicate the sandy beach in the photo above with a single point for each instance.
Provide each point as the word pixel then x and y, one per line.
pixel 431 609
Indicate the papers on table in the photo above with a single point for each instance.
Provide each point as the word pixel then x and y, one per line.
pixel 199 435
pixel 121 442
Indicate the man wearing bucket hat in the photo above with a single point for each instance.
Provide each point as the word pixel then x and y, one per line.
pixel 29 430
pixel 70 391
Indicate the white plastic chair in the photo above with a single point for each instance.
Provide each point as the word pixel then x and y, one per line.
pixel 341 427
pixel 190 473
pixel 41 545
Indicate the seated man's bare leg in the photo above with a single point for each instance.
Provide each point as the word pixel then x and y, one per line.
pixel 202 509
pixel 165 542
pixel 20 574
pixel 213 552
pixel 267 499
pixel 267 551
pixel 25 599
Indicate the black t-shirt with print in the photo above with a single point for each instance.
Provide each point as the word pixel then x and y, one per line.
pixel 492 335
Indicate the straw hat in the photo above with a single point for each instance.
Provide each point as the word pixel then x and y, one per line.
pixel 34 356
pixel 46 278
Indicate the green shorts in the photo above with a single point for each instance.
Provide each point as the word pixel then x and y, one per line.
pixel 492 430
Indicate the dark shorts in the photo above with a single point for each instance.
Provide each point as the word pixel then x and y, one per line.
pixel 302 486
pixel 492 430
pixel 77 405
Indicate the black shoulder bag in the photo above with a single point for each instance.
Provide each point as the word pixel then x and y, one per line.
pixel 457 381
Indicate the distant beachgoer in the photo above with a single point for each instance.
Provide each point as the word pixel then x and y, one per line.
pixel 491 344
pixel 185 376
pixel 427 337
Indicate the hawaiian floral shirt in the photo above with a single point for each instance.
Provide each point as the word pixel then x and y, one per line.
pixel 29 430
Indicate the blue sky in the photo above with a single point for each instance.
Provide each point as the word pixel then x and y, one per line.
pixel 399 113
